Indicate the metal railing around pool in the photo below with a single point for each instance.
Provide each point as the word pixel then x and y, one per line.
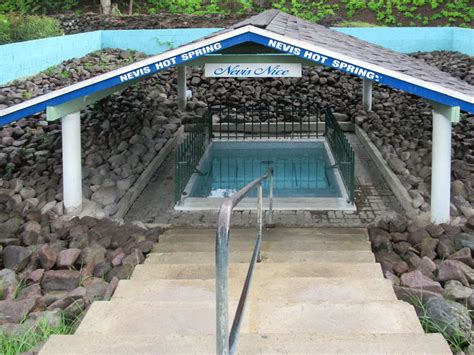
pixel 227 341
pixel 189 153
pixel 342 152
pixel 262 121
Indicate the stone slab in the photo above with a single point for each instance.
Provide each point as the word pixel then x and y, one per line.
pixel 375 344
pixel 281 289
pixel 166 318
pixel 267 257
pixel 271 270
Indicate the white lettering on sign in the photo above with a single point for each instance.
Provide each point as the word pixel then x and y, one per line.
pixel 253 70
pixel 319 58
pixel 201 51
pixel 170 62
pixel 135 74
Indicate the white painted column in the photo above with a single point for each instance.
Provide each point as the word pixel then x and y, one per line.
pixel 182 99
pixel 367 94
pixel 441 165
pixel 72 170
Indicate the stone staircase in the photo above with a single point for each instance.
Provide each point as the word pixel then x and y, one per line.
pixel 316 291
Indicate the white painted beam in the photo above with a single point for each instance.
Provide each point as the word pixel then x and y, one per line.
pixel 72 170
pixel 56 112
pixel 367 94
pixel 441 164
pixel 182 99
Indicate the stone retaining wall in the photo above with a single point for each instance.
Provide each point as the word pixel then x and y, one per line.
pixel 93 22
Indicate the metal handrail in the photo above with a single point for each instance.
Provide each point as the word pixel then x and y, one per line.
pixel 226 342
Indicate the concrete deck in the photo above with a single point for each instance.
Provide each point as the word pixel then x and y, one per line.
pixel 373 198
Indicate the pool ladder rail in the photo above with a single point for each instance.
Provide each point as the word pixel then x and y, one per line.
pixel 226 341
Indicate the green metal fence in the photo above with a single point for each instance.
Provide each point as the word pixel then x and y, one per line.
pixel 189 153
pixel 342 152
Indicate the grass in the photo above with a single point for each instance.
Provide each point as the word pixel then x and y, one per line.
pixel 33 337
pixel 21 285
pixel 456 339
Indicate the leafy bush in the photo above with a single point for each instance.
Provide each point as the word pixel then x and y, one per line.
pixel 22 6
pixel 18 28
pixel 37 6
pixel 4 30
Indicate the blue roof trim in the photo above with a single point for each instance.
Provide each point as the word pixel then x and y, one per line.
pixel 114 81
pixel 377 77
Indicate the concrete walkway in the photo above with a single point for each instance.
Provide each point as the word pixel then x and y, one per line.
pixel 315 291
pixel 373 198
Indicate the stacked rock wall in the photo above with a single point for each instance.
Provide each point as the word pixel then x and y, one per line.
pixel 431 266
pixel 93 22
pixel 120 135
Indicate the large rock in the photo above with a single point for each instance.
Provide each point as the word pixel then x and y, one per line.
pixel 468 271
pixel 397 223
pixel 15 311
pixel 415 279
pixel 93 255
pixel 398 166
pixel 449 270
pixel 8 282
pixel 451 317
pixel 47 257
pixel 455 291
pixel 53 319
pixel 458 189
pixel 463 255
pixel 427 267
pixel 10 227
pixel 416 237
pixel 105 195
pixel 435 230
pixel 445 247
pixel 381 243
pixel 464 240
pixel 16 257
pixel 57 280
pixel 428 246
pixel 67 258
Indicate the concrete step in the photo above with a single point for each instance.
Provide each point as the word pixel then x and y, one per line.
pixel 270 270
pixel 170 246
pixel 272 234
pixel 389 344
pixel 322 231
pixel 280 289
pixel 128 318
pixel 342 256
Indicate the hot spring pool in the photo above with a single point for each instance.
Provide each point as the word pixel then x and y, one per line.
pixel 301 169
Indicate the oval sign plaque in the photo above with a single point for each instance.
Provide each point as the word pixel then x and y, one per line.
pixel 253 70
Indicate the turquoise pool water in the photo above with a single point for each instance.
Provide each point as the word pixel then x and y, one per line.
pixel 301 169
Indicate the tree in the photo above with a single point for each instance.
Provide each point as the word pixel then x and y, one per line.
pixel 106 7
pixel 130 7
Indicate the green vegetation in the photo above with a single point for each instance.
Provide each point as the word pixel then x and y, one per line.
pixel 40 7
pixel 455 338
pixel 18 28
pixel 381 12
pixel 33 336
